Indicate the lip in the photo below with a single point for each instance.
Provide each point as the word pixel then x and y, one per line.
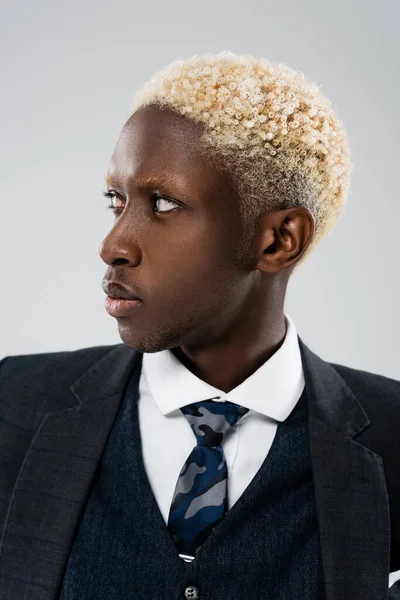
pixel 114 289
pixel 120 307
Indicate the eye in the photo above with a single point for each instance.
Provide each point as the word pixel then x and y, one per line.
pixel 156 197
pixel 112 196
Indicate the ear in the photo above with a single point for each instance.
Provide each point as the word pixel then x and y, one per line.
pixel 283 237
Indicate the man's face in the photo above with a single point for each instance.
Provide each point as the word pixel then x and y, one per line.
pixel 174 245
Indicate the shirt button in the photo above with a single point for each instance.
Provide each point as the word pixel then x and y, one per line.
pixel 192 592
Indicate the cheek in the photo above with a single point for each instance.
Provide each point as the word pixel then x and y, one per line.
pixel 194 262
pixel 193 272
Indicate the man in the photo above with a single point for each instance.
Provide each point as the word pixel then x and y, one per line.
pixel 212 454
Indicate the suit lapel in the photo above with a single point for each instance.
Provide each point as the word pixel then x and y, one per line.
pixel 56 476
pixel 55 479
pixel 350 488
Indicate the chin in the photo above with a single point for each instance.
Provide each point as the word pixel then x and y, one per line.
pixel 150 342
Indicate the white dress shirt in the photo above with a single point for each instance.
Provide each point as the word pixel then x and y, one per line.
pixel 166 385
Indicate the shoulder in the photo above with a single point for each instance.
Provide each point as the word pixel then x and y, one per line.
pixel 379 396
pixel 368 384
pixel 46 372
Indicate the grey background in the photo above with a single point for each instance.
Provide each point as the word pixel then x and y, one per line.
pixel 68 75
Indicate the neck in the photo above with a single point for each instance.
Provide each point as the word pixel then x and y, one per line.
pixel 232 358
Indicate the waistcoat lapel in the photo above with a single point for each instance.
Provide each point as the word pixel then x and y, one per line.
pixel 350 488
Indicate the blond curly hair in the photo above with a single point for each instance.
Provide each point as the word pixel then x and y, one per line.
pixel 269 127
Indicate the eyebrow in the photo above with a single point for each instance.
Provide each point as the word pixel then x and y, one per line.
pixel 148 181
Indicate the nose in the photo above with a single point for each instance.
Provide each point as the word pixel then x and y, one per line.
pixel 118 249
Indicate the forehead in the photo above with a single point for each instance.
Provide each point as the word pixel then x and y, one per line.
pixel 159 146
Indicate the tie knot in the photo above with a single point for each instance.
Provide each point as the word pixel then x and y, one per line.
pixel 210 420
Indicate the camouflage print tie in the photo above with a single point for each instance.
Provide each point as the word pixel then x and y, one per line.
pixel 200 498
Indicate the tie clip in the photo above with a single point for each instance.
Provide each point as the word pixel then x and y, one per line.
pixel 187 557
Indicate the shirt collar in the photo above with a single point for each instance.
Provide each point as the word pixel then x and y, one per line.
pixel 272 390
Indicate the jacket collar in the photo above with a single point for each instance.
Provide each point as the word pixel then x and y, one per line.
pixel 330 398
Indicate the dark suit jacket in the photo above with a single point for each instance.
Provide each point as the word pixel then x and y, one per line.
pixel 57 411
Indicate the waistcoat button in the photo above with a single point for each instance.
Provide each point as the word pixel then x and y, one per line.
pixel 192 592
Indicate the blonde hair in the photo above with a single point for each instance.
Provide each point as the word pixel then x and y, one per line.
pixel 269 127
